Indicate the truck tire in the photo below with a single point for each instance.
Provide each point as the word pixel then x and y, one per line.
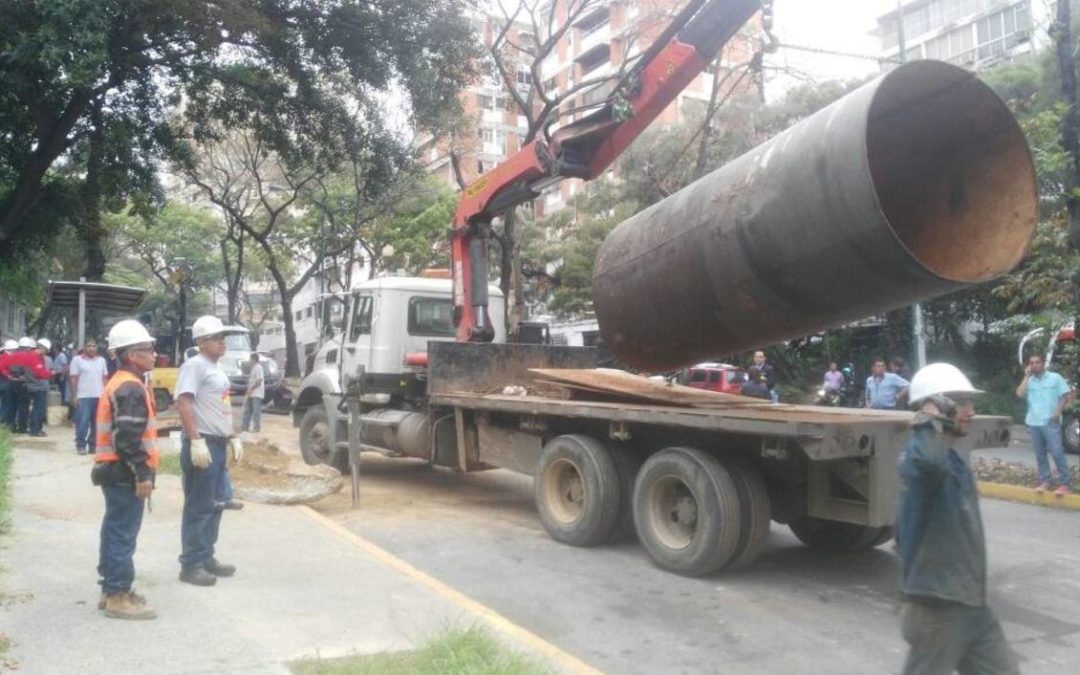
pixel 1070 435
pixel 627 465
pixel 687 511
pixel 835 536
pixel 756 511
pixel 577 490
pixel 315 441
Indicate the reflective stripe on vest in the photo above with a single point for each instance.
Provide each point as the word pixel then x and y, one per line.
pixel 104 450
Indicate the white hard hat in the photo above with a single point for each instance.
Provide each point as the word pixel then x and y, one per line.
pixel 44 342
pixel 205 326
pixel 939 378
pixel 10 346
pixel 26 342
pixel 127 333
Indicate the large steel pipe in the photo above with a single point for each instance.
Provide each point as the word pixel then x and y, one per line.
pixel 917 184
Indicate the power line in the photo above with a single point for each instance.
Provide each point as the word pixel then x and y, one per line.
pixel 832 52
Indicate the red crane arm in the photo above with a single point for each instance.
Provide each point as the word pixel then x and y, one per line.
pixel 585 147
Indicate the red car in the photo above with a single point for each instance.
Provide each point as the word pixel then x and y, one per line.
pixel 721 377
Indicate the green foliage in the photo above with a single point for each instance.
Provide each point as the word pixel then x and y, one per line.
pixel 472 651
pixel 307 78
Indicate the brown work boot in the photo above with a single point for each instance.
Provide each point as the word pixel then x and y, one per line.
pixel 127 605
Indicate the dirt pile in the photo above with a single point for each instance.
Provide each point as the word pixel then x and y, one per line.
pixel 269 476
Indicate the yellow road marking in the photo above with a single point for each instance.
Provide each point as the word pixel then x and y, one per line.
pixel 534 642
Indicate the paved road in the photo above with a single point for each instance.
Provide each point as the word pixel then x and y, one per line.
pixel 794 611
pixel 1020 450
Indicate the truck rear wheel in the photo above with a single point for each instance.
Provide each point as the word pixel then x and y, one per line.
pixel 835 536
pixel 756 511
pixel 315 440
pixel 687 511
pixel 577 490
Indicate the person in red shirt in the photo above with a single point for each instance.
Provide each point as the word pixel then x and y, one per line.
pixel 19 367
pixel 7 396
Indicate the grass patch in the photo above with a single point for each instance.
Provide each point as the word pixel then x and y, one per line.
pixel 5 478
pixel 169 463
pixel 473 651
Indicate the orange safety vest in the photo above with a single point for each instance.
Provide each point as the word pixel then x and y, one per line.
pixel 104 451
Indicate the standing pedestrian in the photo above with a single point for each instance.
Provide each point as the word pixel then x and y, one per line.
pixel 38 389
pixel 898 365
pixel 6 392
pixel 124 467
pixel 768 374
pixel 88 374
pixel 202 391
pixel 1046 394
pixel 60 369
pixel 939 535
pixel 21 366
pixel 755 384
pixel 254 395
pixel 884 390
pixel 834 379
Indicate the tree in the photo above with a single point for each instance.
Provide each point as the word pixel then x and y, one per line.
pixel 80 77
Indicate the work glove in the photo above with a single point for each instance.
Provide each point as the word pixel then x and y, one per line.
pixel 200 453
pixel 237 447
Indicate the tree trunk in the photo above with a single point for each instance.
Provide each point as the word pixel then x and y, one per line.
pixel 507 268
pixel 92 232
pixel 1070 122
pixel 292 352
pixel 49 146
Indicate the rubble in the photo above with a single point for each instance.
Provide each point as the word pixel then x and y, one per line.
pixel 269 476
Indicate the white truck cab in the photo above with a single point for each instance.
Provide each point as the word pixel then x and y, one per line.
pixel 386 319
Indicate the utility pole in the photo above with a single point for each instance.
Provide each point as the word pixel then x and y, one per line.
pixel 917 313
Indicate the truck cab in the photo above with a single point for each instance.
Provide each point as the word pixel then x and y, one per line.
pixel 386 320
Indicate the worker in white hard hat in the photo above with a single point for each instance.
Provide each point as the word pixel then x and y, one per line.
pixel 37 389
pixel 23 365
pixel 202 392
pixel 8 348
pixel 939 535
pixel 125 464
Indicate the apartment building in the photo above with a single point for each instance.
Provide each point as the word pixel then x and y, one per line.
pixel 496 126
pixel 583 69
pixel 975 34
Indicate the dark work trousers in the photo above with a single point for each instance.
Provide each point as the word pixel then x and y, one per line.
pixel 948 637
pixel 39 399
pixel 5 401
pixel 119 529
pixel 22 409
pixel 201 517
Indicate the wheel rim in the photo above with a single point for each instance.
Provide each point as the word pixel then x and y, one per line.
pixel 673 512
pixel 319 440
pixel 564 490
pixel 1072 434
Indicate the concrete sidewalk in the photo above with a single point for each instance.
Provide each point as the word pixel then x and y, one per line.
pixel 300 590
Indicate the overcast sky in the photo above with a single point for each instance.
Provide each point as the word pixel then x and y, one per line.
pixel 836 25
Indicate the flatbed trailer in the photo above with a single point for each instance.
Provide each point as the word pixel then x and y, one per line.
pixel 699 486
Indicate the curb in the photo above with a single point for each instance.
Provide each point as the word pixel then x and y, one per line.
pixel 1018 493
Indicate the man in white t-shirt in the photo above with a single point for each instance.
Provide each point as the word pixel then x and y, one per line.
pixel 253 396
pixel 87 374
pixel 202 393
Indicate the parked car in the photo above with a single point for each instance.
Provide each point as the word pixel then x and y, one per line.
pixel 722 377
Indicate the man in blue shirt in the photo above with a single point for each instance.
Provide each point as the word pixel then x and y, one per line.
pixel 884 390
pixel 939 536
pixel 1047 394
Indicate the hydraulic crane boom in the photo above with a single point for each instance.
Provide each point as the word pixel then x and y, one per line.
pixel 584 148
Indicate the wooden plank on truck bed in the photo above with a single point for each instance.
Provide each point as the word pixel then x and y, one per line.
pixel 609 381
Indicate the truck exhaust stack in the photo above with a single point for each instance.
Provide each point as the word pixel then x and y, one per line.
pixel 914 185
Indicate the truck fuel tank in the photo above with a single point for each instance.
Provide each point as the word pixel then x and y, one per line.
pixel 914 185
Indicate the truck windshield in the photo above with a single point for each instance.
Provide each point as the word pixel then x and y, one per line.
pixel 431 317
pixel 237 343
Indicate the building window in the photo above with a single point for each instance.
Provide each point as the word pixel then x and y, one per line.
pixel 1002 31
pixel 309 312
pixel 524 77
pixel 486 135
pixel 299 314
pixel 593 22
